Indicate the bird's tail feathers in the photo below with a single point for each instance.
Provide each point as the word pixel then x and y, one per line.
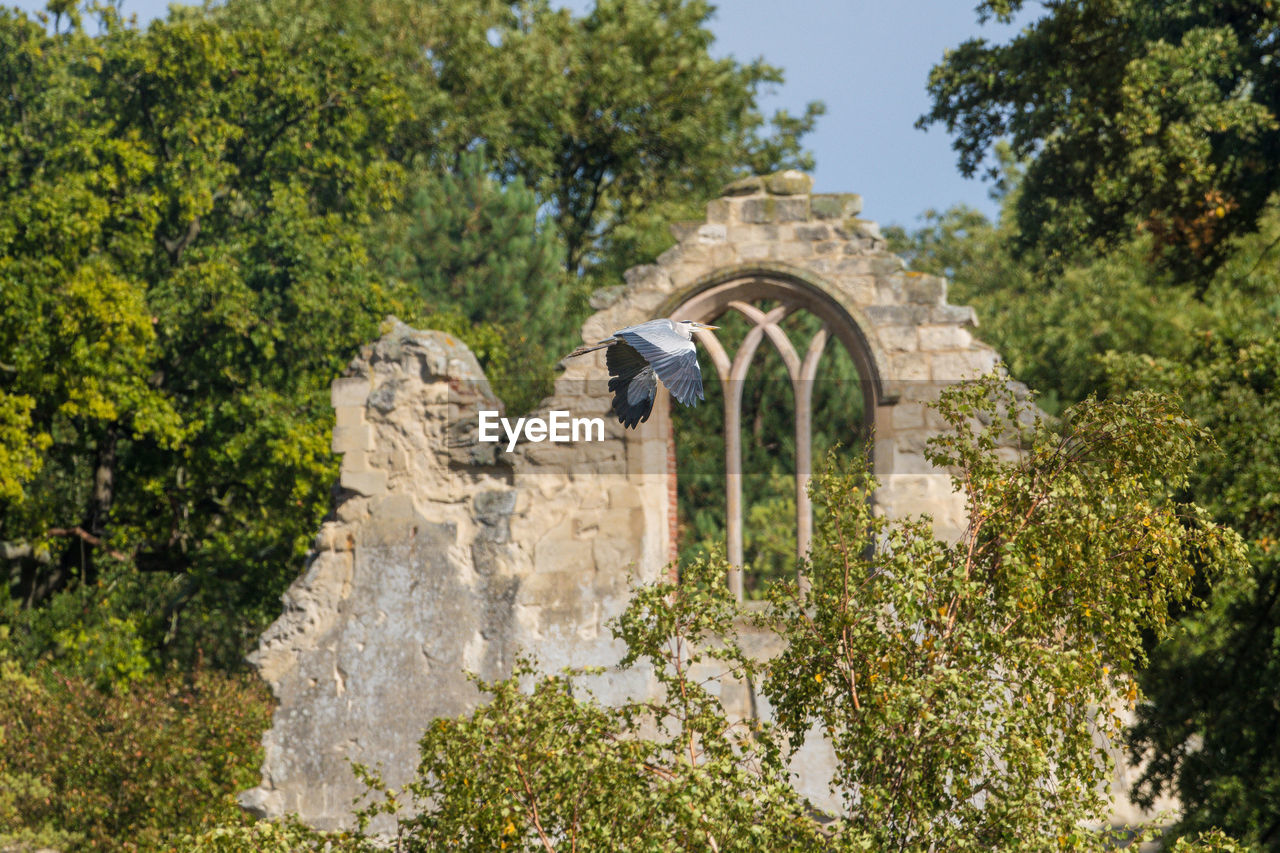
pixel 583 350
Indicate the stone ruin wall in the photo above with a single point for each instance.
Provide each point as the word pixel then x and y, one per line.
pixel 444 555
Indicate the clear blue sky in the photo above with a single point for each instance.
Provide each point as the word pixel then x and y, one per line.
pixel 869 61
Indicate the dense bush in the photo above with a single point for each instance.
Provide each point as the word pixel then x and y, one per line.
pixel 287 836
pixel 132 769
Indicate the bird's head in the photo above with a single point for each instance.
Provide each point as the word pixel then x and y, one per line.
pixel 690 327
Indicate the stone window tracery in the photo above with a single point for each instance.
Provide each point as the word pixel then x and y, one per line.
pixel 766 302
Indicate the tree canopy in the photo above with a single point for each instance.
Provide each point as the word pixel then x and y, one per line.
pixel 1113 323
pixel 184 273
pixel 205 219
pixel 1159 117
pixel 614 119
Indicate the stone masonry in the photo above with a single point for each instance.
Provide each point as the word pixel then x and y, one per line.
pixel 444 554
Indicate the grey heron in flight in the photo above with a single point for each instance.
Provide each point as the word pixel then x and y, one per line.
pixel 638 356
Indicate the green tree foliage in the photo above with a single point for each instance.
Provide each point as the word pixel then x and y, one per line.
pixel 474 253
pixel 1209 726
pixel 471 245
pixel 183 273
pixel 264 836
pixel 544 766
pixel 1119 322
pixel 962 684
pixel 1052 330
pixel 1159 116
pixel 81 769
pixel 616 120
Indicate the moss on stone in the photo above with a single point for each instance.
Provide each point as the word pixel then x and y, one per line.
pixel 790 182
pixel 744 186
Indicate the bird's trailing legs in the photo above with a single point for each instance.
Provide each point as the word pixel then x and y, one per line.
pixel 586 348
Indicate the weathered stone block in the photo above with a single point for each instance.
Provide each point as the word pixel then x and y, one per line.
pixel 719 210
pixel 353 437
pixel 367 483
pixel 759 210
pixel 624 496
pixel 931 492
pixel 960 366
pixel 350 391
pixel 924 289
pixel 891 289
pixel 820 266
pixel 790 182
pixel 615 553
pixel 898 338
pixel 740 234
pixel 711 233
pixel 643 276
pixel 596 329
pixel 262 803
pixel 744 186
pixel 836 205
pixel 944 338
pixel 958 314
pixel 896 315
pixel 561 551
pixel 383 398
pixel 909 367
pixel 861 288
pixel 860 229
pixel 605 297
pixel 348 416
pixel 333 537
pixel 792 251
pixel 857 265
pixel 812 232
pixel 357 460
pixel 907 415
pixel 793 209
pixel 551 589
pixel 885 264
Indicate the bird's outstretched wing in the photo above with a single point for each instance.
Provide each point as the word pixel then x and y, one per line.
pixel 672 356
pixel 632 383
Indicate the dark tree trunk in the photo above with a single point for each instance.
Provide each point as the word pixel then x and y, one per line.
pixel 99 510
pixel 79 557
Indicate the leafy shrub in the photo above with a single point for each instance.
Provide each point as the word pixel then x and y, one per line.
pixel 288 836
pixel 966 687
pixel 130 769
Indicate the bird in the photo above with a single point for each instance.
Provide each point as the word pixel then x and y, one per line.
pixel 638 356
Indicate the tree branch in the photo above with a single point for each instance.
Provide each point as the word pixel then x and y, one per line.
pixel 533 809
pixel 176 247
pixel 84 535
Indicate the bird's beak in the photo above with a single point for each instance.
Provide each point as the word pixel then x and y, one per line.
pixel 707 328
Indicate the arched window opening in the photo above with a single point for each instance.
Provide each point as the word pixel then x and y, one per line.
pixel 782 391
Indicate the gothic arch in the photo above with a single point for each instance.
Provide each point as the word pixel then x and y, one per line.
pixel 789 291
